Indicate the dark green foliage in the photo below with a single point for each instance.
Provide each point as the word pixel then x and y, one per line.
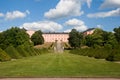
pixel 95 39
pixel 37 51
pixel 114 55
pixel 12 52
pixel 109 39
pixel 37 38
pixel 99 53
pixel 110 57
pixel 4 56
pixel 29 51
pixel 15 37
pixel 117 57
pixel 22 51
pixel 101 39
pixel 75 38
pixel 117 34
pixel 33 51
pixel 89 41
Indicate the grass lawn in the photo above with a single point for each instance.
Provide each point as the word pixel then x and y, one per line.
pixel 59 65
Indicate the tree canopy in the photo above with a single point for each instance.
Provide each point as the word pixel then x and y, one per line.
pixel 15 37
pixel 37 38
pixel 75 38
pixel 117 34
pixel 101 38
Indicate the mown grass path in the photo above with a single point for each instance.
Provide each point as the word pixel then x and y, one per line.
pixel 59 65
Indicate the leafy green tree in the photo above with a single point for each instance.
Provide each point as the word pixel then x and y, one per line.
pixel 117 34
pixel 75 38
pixel 89 41
pixel 37 38
pixel 14 36
pixel 109 39
pixel 95 39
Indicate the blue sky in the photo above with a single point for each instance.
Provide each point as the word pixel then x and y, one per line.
pixel 59 15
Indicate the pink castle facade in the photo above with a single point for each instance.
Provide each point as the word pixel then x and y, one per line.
pixel 30 33
pixel 89 31
pixel 52 37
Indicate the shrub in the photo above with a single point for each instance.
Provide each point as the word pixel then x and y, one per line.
pixel 13 52
pixel 28 50
pixel 36 51
pixel 110 57
pixel 114 55
pixel 31 51
pixel 4 56
pixel 43 51
pixel 22 51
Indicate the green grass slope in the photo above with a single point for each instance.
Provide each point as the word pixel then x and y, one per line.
pixel 59 65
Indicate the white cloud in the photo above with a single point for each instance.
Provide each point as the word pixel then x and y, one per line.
pixel 74 22
pixel 16 14
pixel 110 4
pixel 99 26
pixel 81 28
pixel 1 15
pixel 68 30
pixel 89 3
pixel 77 24
pixel 105 14
pixel 65 8
pixel 42 25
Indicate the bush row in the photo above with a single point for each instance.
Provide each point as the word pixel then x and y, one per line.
pixel 99 53
pixel 16 53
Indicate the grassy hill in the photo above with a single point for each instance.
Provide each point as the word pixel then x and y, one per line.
pixel 59 65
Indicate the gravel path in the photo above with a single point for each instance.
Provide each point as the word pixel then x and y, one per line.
pixel 60 79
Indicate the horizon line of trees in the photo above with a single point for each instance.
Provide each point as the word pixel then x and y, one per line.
pixel 100 44
pixel 99 38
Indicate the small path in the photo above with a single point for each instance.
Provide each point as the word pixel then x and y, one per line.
pixel 60 79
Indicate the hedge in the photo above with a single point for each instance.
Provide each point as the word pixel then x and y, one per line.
pixel 22 51
pixel 99 53
pixel 12 52
pixel 4 56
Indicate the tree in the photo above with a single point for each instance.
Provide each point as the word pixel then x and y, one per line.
pixel 89 41
pixel 37 38
pixel 117 34
pixel 75 38
pixel 95 39
pixel 15 37
pixel 109 39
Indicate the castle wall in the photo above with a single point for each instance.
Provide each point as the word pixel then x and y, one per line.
pixel 51 37
pixel 54 36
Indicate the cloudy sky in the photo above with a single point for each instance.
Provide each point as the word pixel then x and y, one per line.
pixel 59 15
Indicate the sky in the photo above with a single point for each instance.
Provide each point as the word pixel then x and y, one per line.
pixel 59 15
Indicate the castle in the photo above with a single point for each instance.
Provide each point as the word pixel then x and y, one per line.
pixel 59 36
